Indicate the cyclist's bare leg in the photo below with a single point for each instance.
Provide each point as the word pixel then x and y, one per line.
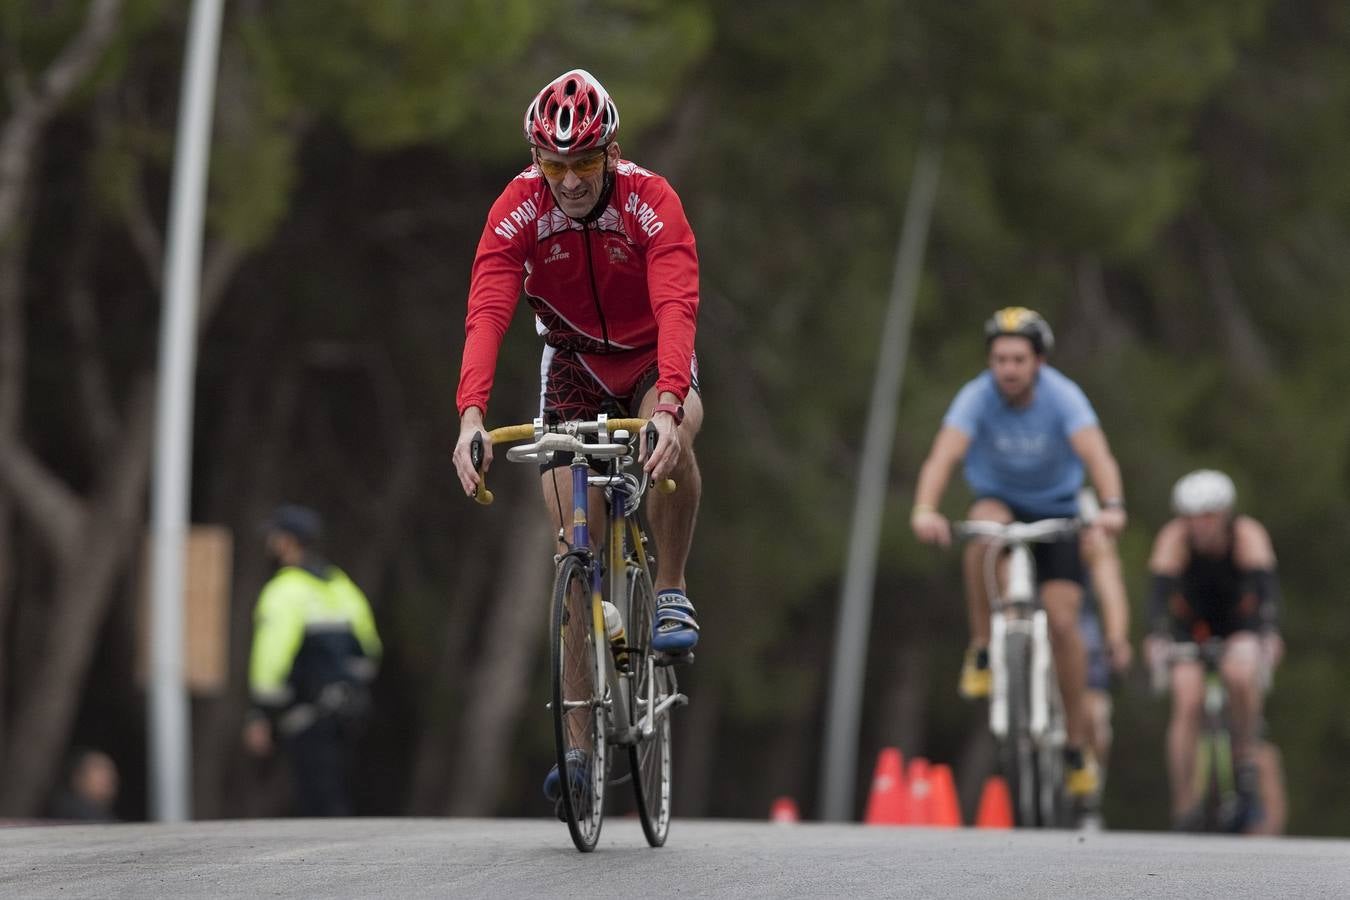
pixel 672 516
pixel 973 569
pixel 1063 600
pixel 1270 774
pixel 1241 671
pixel 557 490
pixel 1183 730
pixel 1099 713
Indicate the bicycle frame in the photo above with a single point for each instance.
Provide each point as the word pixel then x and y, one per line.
pixel 1018 609
pixel 1017 619
pixel 614 715
pixel 1214 780
pixel 624 492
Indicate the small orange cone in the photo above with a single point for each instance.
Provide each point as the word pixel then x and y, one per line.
pixel 995 804
pixel 920 808
pixel 784 810
pixel 946 808
pixel 886 801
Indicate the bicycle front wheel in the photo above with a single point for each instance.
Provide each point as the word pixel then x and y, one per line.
pixel 578 704
pixel 1018 753
pixel 649 758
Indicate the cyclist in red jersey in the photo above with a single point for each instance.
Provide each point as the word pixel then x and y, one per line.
pixel 610 269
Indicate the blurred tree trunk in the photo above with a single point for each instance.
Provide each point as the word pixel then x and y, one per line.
pixel 1248 355
pixel 509 649
pixel 435 750
pixel 32 107
pixel 695 757
pixel 243 490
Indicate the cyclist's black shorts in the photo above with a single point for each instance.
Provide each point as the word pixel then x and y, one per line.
pixel 1221 623
pixel 1058 560
pixel 564 377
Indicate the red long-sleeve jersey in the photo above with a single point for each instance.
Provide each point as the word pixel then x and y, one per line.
pixel 621 293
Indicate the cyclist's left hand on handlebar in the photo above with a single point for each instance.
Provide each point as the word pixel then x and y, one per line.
pixel 931 527
pixel 1111 520
pixel 1120 653
pixel 661 462
pixel 463 459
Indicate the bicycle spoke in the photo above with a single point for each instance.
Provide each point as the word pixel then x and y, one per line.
pixel 579 715
pixel 650 758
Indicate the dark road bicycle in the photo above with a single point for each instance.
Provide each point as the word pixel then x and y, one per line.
pixel 606 693
pixel 1223 804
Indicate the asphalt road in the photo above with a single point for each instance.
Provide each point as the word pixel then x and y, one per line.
pixel 504 858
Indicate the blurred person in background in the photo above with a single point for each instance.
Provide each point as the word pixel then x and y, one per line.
pixel 315 653
pixel 1025 433
pixel 1104 625
pixel 1214 576
pixel 88 789
pixel 610 269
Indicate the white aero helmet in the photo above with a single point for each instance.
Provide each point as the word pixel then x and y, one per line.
pixel 1203 491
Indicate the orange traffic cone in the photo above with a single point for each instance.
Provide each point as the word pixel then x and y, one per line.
pixel 920 808
pixel 946 808
pixel 995 804
pixel 784 810
pixel 886 801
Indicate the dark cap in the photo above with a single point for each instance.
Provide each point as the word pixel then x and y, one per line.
pixel 301 522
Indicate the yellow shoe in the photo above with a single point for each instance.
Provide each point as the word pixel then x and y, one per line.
pixel 1081 778
pixel 976 679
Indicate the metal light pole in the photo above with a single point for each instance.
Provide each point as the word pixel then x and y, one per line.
pixel 855 603
pixel 170 734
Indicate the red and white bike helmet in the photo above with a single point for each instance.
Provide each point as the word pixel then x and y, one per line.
pixel 571 115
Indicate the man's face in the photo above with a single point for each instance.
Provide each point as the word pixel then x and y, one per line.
pixel 1207 531
pixel 1015 364
pixel 577 181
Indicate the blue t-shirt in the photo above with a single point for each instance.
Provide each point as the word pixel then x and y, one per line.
pixel 1022 456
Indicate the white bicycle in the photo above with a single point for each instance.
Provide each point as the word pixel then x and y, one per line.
pixel 1026 712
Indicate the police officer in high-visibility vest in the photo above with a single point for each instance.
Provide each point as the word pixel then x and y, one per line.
pixel 315 652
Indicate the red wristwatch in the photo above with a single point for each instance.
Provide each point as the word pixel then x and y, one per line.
pixel 675 410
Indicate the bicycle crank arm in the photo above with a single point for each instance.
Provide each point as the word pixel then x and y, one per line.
pixel 648 723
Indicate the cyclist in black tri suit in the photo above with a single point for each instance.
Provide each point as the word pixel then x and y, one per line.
pixel 1213 576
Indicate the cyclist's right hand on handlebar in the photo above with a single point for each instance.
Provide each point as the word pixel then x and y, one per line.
pixel 1158 655
pixel 931 527
pixel 470 426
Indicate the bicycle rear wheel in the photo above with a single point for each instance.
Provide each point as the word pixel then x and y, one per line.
pixel 649 758
pixel 578 703
pixel 1017 755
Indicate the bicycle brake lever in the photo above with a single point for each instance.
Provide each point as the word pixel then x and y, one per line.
pixel 665 485
pixel 481 494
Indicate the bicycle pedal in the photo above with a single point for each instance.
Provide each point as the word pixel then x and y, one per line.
pixel 674 659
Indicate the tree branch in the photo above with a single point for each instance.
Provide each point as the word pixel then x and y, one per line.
pixel 223 258
pixel 32 110
pixel 12 330
pixel 1247 353
pixel 41 496
pixel 80 55
pixel 98 411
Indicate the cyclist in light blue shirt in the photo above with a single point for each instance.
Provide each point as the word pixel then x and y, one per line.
pixel 1026 433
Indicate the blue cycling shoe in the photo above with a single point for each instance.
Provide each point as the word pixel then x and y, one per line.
pixel 578 766
pixel 675 630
